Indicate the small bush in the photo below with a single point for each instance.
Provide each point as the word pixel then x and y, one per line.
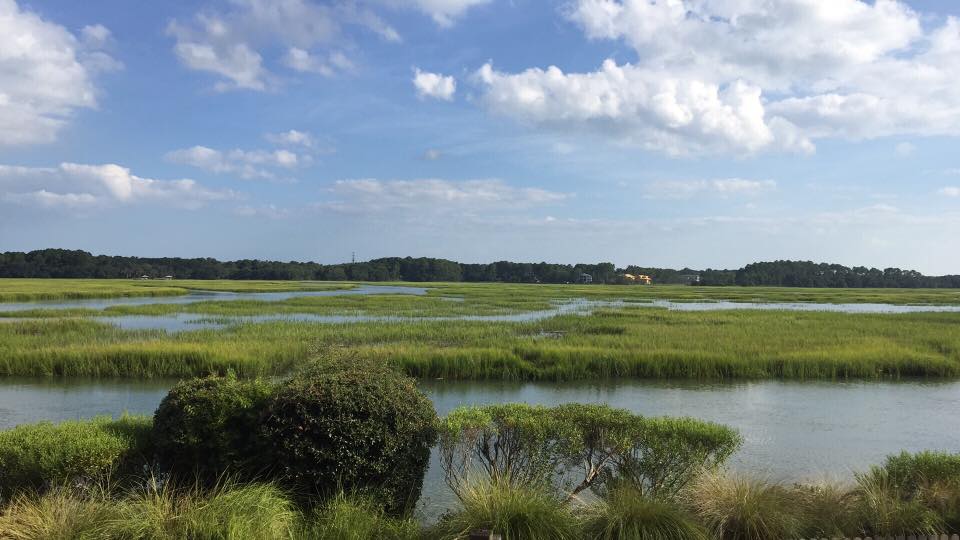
pixel 209 426
pixel 358 518
pixel 740 508
pixel 353 425
pixel 627 515
pixel 517 513
pixel 35 456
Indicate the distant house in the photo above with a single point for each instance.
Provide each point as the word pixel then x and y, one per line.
pixel 144 277
pixel 690 279
pixel 638 278
pixel 586 278
pixel 167 277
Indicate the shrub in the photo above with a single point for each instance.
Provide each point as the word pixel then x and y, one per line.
pixel 44 454
pixel 348 424
pixel 209 425
pixel 740 508
pixel 578 446
pixel 666 454
pixel 512 443
pixel 625 514
pixel 515 512
pixel 358 518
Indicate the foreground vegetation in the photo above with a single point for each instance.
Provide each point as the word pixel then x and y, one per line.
pixel 624 342
pixel 338 452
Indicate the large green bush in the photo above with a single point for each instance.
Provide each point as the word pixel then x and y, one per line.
pixel 44 454
pixel 352 425
pixel 209 426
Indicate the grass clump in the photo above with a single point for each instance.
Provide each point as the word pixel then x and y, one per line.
pixel 60 514
pixel 886 509
pixel 227 512
pixel 517 513
pixel 346 517
pixel 626 514
pixel 44 454
pixel 736 507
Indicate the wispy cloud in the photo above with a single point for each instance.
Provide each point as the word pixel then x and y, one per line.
pixel 723 187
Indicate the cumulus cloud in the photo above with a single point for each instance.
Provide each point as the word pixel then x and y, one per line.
pixel 247 164
pixel 748 75
pixel 46 74
pixel 75 186
pixel 434 85
pixel 432 196
pixel 724 187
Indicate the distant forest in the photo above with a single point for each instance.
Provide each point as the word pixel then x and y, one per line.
pixel 62 263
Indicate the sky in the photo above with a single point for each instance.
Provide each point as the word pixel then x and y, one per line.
pixel 671 133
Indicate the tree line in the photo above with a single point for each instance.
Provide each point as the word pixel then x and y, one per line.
pixel 62 263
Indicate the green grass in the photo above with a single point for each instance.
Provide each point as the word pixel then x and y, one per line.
pixel 24 290
pixel 613 343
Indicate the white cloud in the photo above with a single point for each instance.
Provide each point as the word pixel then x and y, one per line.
pixel 446 12
pixel 248 164
pixel 950 191
pixel 748 75
pixel 74 186
pixel 432 154
pixel 301 60
pixel 228 43
pixel 46 74
pixel 432 196
pixel 291 138
pixel 723 187
pixel 434 85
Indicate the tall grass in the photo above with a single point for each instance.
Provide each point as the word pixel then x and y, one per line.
pixel 357 518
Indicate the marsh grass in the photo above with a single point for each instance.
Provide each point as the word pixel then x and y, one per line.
pixel 357 518
pixel 612 343
pixel 27 289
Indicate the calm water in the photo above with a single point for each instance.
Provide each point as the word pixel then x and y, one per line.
pixel 791 430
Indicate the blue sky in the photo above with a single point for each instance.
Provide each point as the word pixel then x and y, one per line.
pixel 702 133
